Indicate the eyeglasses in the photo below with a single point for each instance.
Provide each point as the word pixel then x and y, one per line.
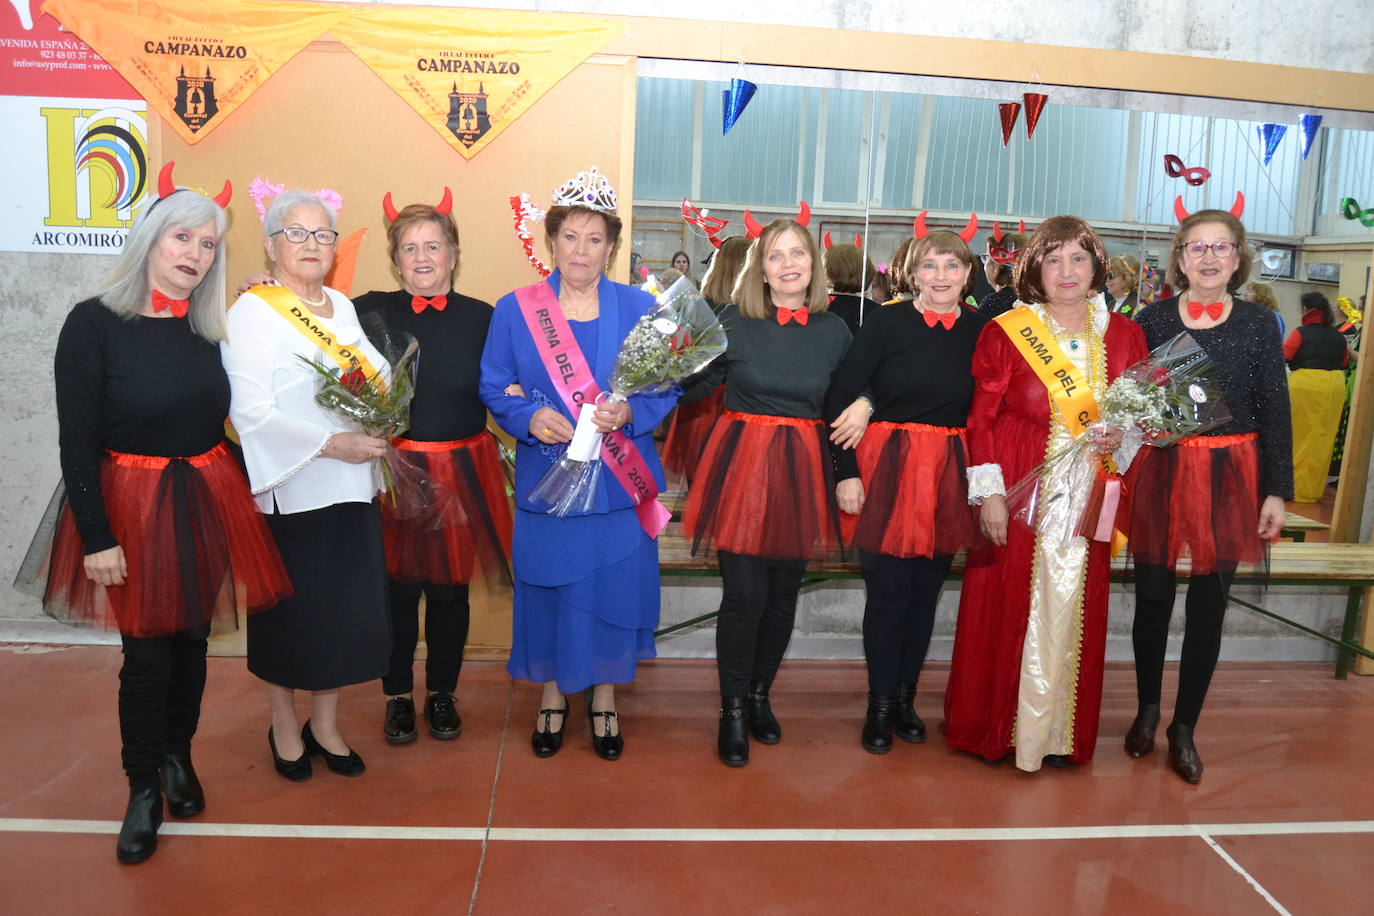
pixel 297 236
pixel 1199 249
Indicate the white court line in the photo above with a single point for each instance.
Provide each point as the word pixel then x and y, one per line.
pixel 1246 875
pixel 699 835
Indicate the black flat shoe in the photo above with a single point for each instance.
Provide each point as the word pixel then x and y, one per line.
pixel 732 742
pixel 763 725
pixel 349 764
pixel 1140 739
pixel 399 727
pixel 297 770
pixel 185 797
pixel 545 741
pixel 138 834
pixel 607 746
pixel 1058 761
pixel 878 725
pixel 1183 756
pixel 442 716
pixel 908 726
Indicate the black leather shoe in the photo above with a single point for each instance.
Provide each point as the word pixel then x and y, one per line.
pixel 908 726
pixel 1183 756
pixel 399 727
pixel 546 741
pixel 607 746
pixel 297 770
pixel 732 744
pixel 185 797
pixel 763 725
pixel 138 834
pixel 878 725
pixel 349 764
pixel 1140 740
pixel 1058 761
pixel 442 715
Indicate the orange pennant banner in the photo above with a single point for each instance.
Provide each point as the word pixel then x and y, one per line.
pixel 195 61
pixel 471 74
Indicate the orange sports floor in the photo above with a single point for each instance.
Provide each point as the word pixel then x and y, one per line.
pixel 1282 822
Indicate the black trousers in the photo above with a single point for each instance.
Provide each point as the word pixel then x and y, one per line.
pixel 899 615
pixel 757 607
pixel 160 687
pixel 1204 608
pixel 447 615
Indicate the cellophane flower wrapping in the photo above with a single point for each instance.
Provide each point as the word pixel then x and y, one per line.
pixel 379 405
pixel 677 337
pixel 1158 401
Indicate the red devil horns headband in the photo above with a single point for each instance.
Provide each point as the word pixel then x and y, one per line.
pixel 166 187
pixel 753 230
pixel 445 205
pixel 828 243
pixel 998 234
pixel 918 228
pixel 1181 212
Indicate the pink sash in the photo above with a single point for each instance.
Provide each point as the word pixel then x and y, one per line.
pixel 572 377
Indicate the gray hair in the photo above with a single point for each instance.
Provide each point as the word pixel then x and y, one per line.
pixel 283 204
pixel 127 290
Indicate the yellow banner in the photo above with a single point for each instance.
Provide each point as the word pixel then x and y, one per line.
pixel 195 61
pixel 471 74
pixel 1068 388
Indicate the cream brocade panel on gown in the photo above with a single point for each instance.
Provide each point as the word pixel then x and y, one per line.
pixel 1048 688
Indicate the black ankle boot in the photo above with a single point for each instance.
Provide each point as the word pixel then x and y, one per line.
pixel 878 725
pixel 1183 756
pixel 138 834
pixel 185 797
pixel 733 742
pixel 762 723
pixel 1140 740
pixel 909 726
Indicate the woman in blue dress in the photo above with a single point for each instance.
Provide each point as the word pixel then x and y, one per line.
pixel 587 585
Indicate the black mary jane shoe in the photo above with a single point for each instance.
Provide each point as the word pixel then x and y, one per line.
pixel 763 725
pixel 138 834
pixel 399 727
pixel 878 724
pixel 732 742
pixel 907 725
pixel 297 770
pixel 545 741
pixel 441 712
pixel 1058 761
pixel 607 746
pixel 1140 739
pixel 185 797
pixel 1183 756
pixel 349 764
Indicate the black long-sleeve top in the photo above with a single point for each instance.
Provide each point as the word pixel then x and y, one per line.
pixel 1248 357
pixel 913 373
pixel 147 386
pixel 848 306
pixel 772 369
pixel 446 405
pixel 995 303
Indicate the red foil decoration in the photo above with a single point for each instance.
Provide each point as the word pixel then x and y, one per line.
pixel 1035 103
pixel 1009 112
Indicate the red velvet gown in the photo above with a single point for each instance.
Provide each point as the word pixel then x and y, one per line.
pixel 1009 425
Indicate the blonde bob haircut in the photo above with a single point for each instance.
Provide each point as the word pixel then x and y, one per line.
pixel 1128 269
pixel 942 241
pixel 1237 229
pixel 752 295
pixel 719 283
pixel 1052 234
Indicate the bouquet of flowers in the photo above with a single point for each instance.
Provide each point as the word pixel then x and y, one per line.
pixel 675 338
pixel 1158 401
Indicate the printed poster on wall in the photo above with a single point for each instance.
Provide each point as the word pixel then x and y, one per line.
pixel 38 57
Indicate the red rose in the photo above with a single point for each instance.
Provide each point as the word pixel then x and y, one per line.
pixel 355 380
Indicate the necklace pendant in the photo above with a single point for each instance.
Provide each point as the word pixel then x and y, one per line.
pixel 1073 345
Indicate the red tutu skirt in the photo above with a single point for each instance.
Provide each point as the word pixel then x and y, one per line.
pixel 764 488
pixel 470 469
pixel 1199 499
pixel 915 492
pixel 196 547
pixel 691 427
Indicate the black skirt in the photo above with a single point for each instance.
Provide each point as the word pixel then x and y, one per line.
pixel 336 629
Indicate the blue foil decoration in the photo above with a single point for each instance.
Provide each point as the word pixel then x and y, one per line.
pixel 1270 135
pixel 735 100
pixel 1309 124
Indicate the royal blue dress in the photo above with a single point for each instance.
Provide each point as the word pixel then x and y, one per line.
pixel 586 586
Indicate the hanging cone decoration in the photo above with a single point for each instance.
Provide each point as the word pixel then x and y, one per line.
pixel 1309 124
pixel 1035 103
pixel 1270 135
pixel 1009 112
pixel 735 100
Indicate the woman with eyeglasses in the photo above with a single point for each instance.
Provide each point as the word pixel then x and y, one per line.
pixel 1215 499
pixel 314 478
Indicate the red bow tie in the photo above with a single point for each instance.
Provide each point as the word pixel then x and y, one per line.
pixel 178 306
pixel 945 318
pixel 418 303
pixel 1211 309
pixel 799 315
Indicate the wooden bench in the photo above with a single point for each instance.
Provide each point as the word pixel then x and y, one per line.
pixel 1298 527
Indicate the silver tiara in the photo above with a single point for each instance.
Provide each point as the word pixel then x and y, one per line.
pixel 587 189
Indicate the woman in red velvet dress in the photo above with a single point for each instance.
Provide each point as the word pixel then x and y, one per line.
pixel 1028 651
